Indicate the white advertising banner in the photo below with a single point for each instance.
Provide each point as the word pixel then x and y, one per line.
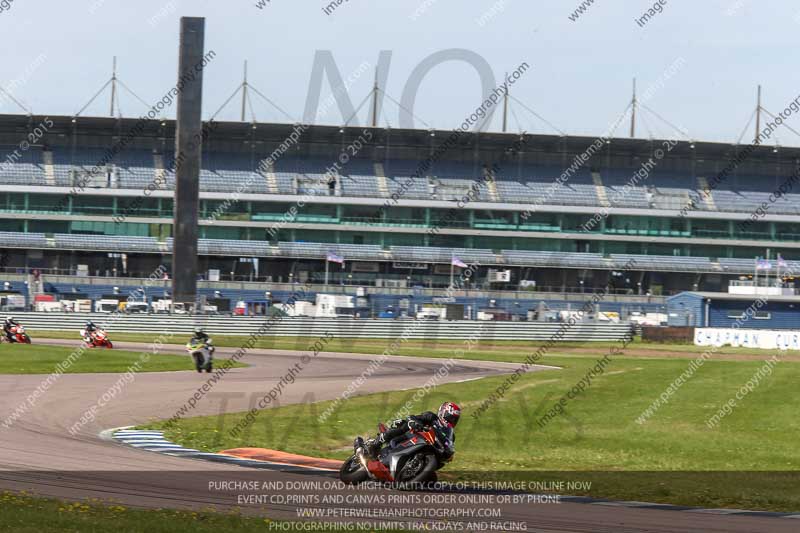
pixel 766 339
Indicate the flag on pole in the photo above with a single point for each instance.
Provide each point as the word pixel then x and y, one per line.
pixel 333 258
pixel 781 262
pixel 455 261
pixel 763 264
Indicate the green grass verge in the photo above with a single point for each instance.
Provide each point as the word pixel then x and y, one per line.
pixel 598 433
pixel 23 513
pixel 42 359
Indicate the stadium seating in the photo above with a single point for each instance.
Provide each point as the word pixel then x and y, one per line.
pixel 358 185
pixel 515 190
pixel 411 187
pixel 28 167
pixel 444 180
pixel 111 243
pixel 443 255
pixel 457 189
pixel 365 252
pixel 625 189
pixel 23 240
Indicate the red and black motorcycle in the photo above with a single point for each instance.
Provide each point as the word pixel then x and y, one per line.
pixel 96 339
pixel 411 459
pixel 18 335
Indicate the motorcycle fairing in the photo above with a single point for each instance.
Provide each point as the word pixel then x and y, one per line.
pixel 379 471
pixel 396 455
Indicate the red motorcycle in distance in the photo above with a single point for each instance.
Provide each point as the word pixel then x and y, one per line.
pixel 96 339
pixel 18 335
pixel 409 460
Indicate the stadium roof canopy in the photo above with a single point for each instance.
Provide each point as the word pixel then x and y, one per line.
pixel 238 136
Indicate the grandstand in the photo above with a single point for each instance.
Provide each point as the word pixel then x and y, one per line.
pixel 57 214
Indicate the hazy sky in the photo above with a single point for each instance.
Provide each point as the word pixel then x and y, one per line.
pixel 703 59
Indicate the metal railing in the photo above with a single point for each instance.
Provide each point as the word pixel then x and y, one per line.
pixel 571 294
pixel 339 327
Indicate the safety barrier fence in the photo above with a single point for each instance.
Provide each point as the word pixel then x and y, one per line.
pixel 339 327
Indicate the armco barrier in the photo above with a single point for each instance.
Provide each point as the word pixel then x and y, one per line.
pixel 339 327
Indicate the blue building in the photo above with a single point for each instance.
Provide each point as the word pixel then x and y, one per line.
pixel 722 310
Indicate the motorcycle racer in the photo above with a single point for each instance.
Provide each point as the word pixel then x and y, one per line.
pixel 201 337
pixel 9 323
pixel 443 422
pixel 88 330
pixel 95 337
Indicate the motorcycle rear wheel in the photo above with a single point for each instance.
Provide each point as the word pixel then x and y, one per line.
pixel 353 472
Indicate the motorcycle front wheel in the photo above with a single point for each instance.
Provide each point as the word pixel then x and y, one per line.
pixel 352 471
pixel 419 469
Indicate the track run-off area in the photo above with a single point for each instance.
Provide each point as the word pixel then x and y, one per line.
pixel 39 453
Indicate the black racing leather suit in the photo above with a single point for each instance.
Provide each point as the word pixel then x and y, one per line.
pixel 7 325
pixel 200 337
pixel 401 427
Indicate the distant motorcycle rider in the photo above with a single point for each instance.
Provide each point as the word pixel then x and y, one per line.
pixel 88 330
pixel 201 337
pixel 443 422
pixel 9 323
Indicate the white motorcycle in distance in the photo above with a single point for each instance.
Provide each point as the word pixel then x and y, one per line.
pixel 203 354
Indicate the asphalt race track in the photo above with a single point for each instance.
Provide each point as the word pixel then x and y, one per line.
pixel 38 454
